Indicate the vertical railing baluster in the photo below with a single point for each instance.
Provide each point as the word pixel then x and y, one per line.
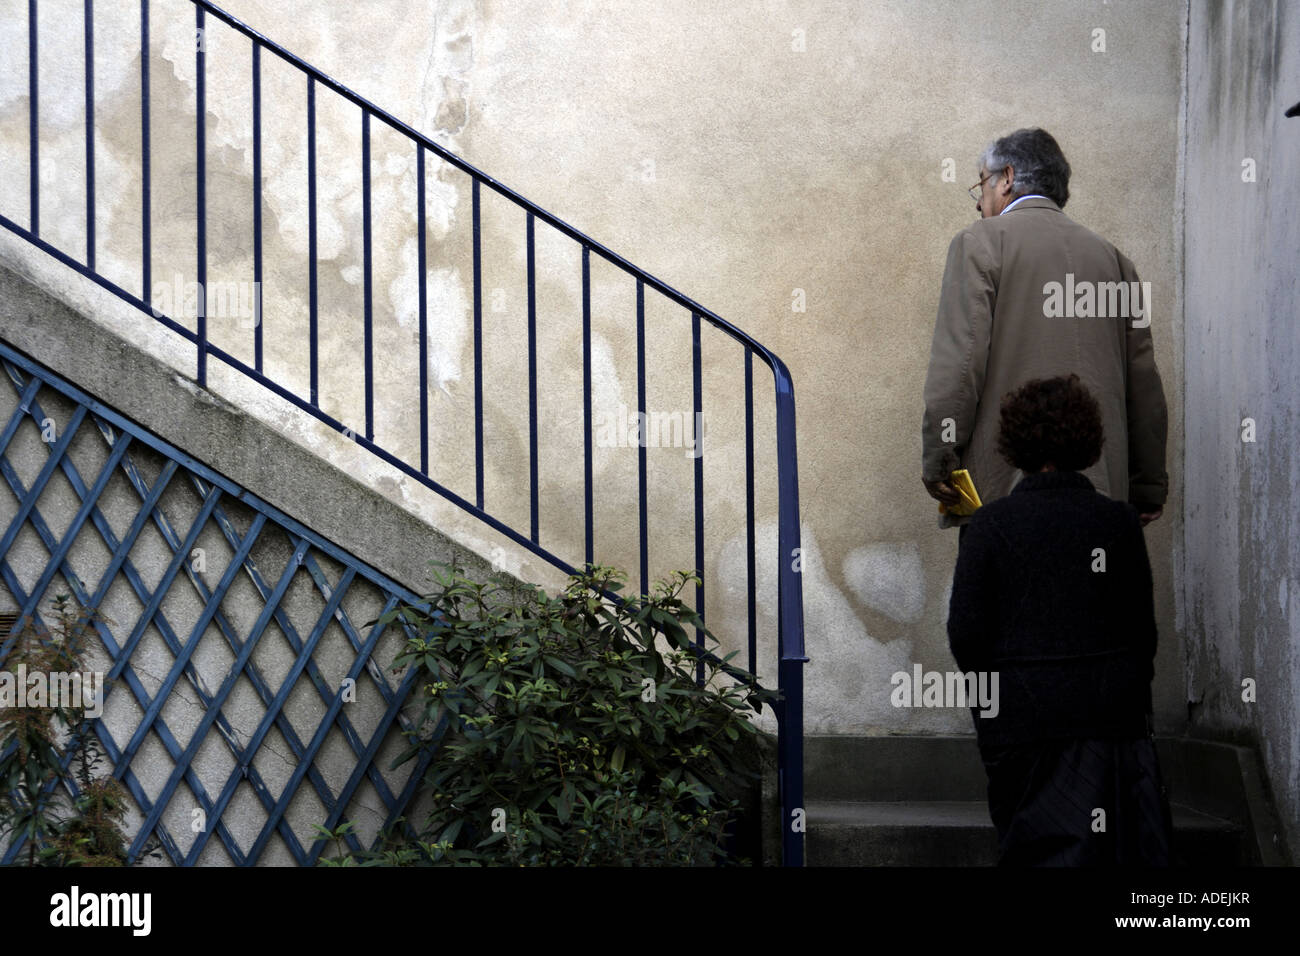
pixel 478 352
pixel 424 310
pixel 789 635
pixel 586 406
pixel 368 331
pixel 90 133
pixel 749 511
pixel 532 387
pixel 201 149
pixel 33 124
pixel 257 205
pixel 146 211
pixel 697 428
pixel 642 439
pixel 789 612
pixel 312 304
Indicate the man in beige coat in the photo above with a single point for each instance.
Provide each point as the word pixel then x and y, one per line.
pixel 1028 293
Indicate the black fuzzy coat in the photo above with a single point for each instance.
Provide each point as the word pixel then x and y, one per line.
pixel 1073 647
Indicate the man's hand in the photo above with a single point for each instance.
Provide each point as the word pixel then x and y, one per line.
pixel 942 492
pixel 1146 517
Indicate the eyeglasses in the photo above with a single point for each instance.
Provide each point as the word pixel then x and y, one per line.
pixel 975 190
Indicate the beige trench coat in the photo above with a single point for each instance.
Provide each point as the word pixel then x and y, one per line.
pixel 1002 322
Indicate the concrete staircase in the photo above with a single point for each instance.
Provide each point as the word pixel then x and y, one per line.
pixel 922 801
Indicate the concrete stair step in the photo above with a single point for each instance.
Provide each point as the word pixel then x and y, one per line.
pixel 922 801
pixel 960 833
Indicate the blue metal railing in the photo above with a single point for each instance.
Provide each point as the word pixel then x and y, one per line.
pixel 790 644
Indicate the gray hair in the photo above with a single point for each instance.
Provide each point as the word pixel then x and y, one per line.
pixel 1038 161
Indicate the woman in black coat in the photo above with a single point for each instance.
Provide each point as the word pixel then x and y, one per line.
pixel 1052 591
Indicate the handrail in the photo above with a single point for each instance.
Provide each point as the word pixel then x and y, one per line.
pixel 789 710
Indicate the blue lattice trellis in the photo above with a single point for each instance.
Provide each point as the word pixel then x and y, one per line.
pixel 119 546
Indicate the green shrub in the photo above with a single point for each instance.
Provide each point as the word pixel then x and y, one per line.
pixel 564 735
pixel 34 747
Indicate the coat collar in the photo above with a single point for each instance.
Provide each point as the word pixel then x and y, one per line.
pixel 1038 202
pixel 1051 480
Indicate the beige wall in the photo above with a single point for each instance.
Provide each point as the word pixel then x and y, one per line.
pixel 739 151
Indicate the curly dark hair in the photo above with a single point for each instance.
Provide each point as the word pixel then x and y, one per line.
pixel 1052 421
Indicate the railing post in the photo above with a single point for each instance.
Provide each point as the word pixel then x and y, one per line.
pixel 643 520
pixel 257 206
pixel 589 548
pixel 790 626
pixel 697 376
pixel 750 572
pixel 146 252
pixel 33 123
pixel 368 335
pixel 90 133
pixel 422 266
pixel 313 358
pixel 532 387
pixel 478 349
pixel 201 146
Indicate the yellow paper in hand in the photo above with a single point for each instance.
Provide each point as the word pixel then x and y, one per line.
pixel 970 498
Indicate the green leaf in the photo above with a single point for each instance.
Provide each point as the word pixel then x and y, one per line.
pixel 452 830
pixel 562 666
pixel 564 803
